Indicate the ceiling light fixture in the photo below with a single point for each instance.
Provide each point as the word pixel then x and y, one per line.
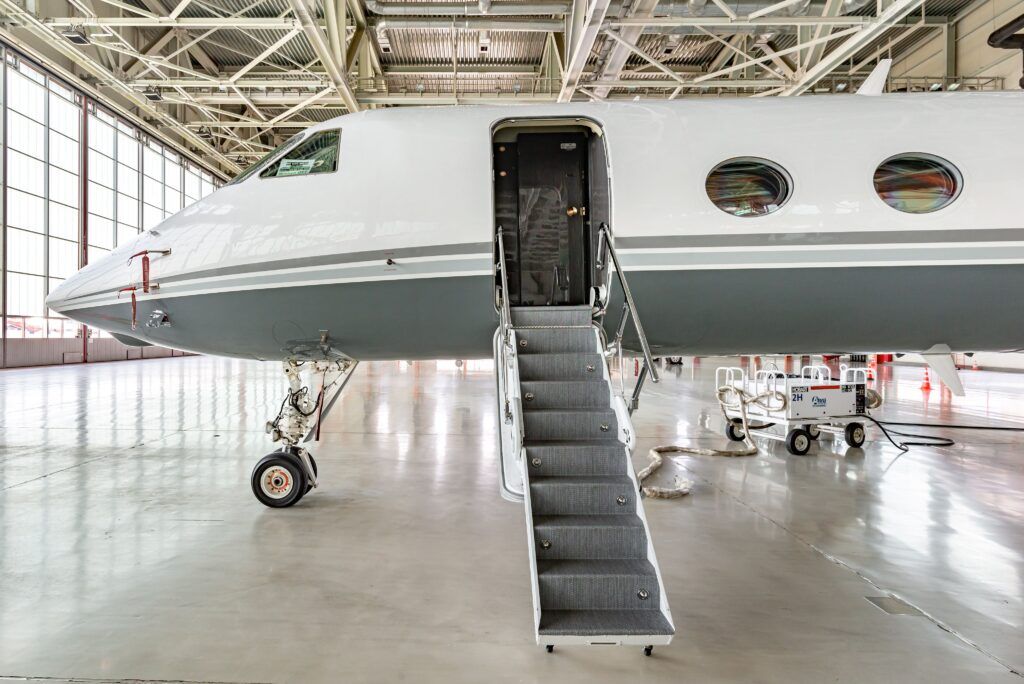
pixel 76 35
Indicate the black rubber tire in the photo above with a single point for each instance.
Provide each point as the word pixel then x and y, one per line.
pixel 648 650
pixel 854 435
pixel 550 648
pixel 798 442
pixel 813 431
pixel 287 461
pixel 734 431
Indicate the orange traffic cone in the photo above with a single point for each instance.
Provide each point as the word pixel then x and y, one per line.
pixel 974 363
pixel 927 384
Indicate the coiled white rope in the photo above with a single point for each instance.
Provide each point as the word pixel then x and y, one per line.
pixel 728 398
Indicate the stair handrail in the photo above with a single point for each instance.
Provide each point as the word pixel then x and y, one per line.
pixel 505 324
pixel 605 232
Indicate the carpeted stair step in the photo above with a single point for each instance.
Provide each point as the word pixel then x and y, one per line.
pixel 603 622
pixel 583 458
pixel 556 340
pixel 561 367
pixel 551 316
pixel 579 495
pixel 570 424
pixel 548 394
pixel 563 537
pixel 597 585
pixel 594 578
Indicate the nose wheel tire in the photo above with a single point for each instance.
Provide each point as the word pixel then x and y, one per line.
pixel 798 442
pixel 854 434
pixel 279 480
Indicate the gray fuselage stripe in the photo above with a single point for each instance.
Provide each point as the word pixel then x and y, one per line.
pixel 334 259
pixel 864 237
pixel 655 242
pixel 634 256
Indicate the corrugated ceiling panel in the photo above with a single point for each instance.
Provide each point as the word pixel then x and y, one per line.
pixel 435 46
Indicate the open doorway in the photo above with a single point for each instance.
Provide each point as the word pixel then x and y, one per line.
pixel 550 197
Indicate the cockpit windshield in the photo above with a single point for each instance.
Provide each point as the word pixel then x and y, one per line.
pixel 316 154
pixel 266 159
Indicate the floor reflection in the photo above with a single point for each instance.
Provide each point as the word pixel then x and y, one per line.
pixel 128 532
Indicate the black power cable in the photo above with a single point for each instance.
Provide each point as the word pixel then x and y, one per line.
pixel 958 427
pixel 933 440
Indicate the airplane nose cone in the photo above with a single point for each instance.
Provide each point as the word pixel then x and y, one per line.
pixel 56 299
pixel 90 286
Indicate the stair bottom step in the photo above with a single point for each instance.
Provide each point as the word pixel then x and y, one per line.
pixel 603 622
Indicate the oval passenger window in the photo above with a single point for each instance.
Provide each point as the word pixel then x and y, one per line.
pixel 748 186
pixel 917 183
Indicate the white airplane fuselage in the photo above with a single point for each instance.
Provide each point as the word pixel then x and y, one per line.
pixel 392 255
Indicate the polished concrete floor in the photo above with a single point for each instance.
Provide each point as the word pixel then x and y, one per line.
pixel 132 549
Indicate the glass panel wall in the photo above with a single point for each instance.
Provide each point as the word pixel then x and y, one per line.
pixel 41 231
pixel 131 184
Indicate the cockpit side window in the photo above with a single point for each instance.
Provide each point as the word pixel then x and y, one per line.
pixel 316 154
pixel 267 158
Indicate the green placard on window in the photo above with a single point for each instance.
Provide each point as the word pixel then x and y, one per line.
pixel 295 167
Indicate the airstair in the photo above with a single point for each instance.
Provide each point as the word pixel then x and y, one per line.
pixel 595 577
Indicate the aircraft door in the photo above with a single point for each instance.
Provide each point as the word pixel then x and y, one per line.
pixel 552 217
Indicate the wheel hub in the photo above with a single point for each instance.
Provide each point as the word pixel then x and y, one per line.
pixel 276 482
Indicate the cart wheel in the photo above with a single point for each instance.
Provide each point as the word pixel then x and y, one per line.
pixel 854 434
pixel 798 442
pixel 550 648
pixel 648 650
pixel 813 431
pixel 734 432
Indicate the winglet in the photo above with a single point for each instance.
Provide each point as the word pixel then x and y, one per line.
pixel 874 84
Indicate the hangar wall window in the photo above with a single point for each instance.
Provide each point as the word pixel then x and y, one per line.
pixel 49 233
pixel 41 236
pixel 917 183
pixel 317 154
pixel 748 186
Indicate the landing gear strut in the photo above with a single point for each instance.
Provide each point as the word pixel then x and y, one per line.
pixel 281 478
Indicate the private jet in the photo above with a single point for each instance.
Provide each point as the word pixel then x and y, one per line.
pixel 544 236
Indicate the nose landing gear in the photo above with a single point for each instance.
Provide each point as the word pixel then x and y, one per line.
pixel 280 479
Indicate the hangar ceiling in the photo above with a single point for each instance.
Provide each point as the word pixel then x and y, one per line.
pixel 233 78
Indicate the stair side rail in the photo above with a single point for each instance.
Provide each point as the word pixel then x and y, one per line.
pixel 629 312
pixel 510 424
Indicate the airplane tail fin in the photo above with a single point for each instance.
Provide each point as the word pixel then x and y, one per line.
pixel 874 84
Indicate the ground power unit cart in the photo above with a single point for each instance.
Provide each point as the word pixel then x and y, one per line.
pixel 794 409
